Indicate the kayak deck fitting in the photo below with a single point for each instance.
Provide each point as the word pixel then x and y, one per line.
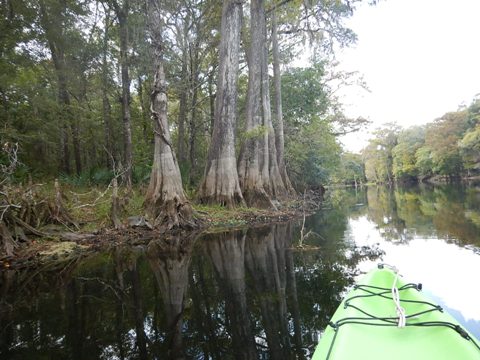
pixel 385 318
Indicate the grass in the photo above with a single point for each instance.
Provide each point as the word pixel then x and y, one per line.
pixel 90 207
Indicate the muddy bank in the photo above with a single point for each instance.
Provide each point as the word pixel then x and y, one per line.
pixel 61 246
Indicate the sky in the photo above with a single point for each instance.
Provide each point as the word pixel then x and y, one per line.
pixel 419 58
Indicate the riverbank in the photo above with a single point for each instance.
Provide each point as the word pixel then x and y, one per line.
pixel 93 228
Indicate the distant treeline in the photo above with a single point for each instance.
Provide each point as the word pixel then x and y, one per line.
pixel 447 147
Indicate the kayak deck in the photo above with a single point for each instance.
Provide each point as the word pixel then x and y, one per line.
pixel 365 325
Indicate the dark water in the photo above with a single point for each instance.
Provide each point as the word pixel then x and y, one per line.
pixel 245 294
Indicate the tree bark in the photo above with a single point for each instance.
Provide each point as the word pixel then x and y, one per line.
pixel 220 184
pixel 165 200
pixel 276 187
pixel 182 113
pixel 279 133
pixel 146 137
pixel 122 15
pixel 54 27
pixel 211 100
pixel 193 116
pixel 253 165
pixel 106 107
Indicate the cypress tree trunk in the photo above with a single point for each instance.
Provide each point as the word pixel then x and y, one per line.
pixel 211 100
pixel 106 107
pixel 182 111
pixel 193 116
pixel 146 137
pixel 165 200
pixel 220 183
pixel 122 15
pixel 279 134
pixel 275 187
pixel 54 27
pixel 253 165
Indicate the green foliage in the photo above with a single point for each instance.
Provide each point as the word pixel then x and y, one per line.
pixel 255 133
pixel 404 165
pixel 311 117
pixel 351 169
pixel 424 162
pixel 442 138
pixel 470 143
pixel 304 94
pixel 470 149
pixel 378 155
pixel 449 147
pixel 35 37
pixel 312 154
pixel 141 173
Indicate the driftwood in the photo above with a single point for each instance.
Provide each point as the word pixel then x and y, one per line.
pixel 23 210
pixel 60 213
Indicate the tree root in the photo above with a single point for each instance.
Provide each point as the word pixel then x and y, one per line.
pixel 24 210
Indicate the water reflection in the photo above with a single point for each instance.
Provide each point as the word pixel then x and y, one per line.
pixel 241 295
pixel 244 294
pixel 169 262
pixel 449 212
pixel 227 253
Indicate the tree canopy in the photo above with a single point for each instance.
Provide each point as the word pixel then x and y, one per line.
pixel 446 147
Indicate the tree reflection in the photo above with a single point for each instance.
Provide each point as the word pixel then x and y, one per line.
pixel 169 261
pixel 265 261
pixel 240 294
pixel 227 253
pixel 450 212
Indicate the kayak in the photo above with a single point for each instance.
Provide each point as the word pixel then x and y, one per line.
pixel 383 317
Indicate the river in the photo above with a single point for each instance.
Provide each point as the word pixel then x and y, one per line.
pixel 246 294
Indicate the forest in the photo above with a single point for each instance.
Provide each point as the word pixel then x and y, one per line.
pixel 168 103
pixel 447 148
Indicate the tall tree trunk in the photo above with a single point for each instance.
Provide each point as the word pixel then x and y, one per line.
pixel 77 154
pixel 106 107
pixel 211 99
pixel 276 188
pixel 220 182
pixel 182 113
pixel 253 165
pixel 279 133
pixel 77 120
pixel 146 137
pixel 64 138
pixel 122 15
pixel 193 116
pixel 53 23
pixel 165 200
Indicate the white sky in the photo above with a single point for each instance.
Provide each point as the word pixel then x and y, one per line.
pixel 420 59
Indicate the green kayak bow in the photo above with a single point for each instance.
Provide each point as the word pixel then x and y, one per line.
pixel 384 317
